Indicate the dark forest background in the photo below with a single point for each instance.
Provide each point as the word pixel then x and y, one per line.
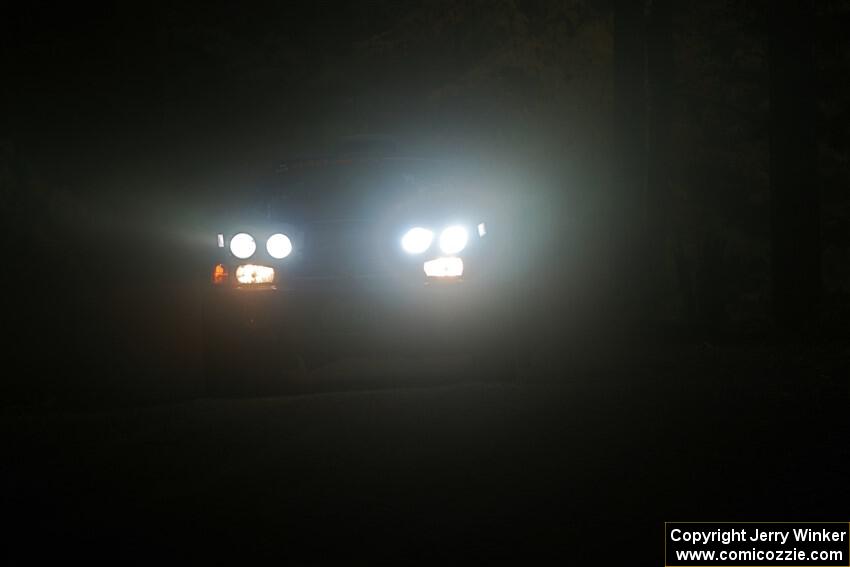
pixel 681 167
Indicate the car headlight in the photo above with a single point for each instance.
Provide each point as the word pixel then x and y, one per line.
pixel 453 239
pixel 451 267
pixel 417 240
pixel 242 245
pixel 279 246
pixel 248 274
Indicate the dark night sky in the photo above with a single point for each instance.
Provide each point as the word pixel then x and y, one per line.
pixel 163 91
pixel 166 89
pixel 91 87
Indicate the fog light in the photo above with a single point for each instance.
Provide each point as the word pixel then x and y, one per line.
pixel 249 274
pixel 444 268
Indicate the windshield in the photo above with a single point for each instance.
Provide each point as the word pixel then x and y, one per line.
pixel 351 185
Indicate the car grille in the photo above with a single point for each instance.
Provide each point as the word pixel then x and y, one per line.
pixel 342 249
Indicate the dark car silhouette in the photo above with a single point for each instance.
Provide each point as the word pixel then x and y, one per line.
pixel 360 251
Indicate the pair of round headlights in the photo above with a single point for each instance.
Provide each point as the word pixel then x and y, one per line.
pixel 415 241
pixel 452 240
pixel 243 246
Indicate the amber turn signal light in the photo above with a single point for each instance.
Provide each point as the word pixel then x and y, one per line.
pixel 219 275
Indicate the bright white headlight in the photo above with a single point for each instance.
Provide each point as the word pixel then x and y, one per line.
pixel 242 245
pixel 279 246
pixel 453 239
pixel 444 268
pixel 417 240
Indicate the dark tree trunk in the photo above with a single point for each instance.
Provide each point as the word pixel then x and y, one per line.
pixel 629 175
pixel 795 201
pixel 660 91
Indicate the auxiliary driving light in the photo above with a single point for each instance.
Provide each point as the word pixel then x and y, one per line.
pixel 279 246
pixel 417 240
pixel 444 268
pixel 243 246
pixel 453 239
pixel 249 274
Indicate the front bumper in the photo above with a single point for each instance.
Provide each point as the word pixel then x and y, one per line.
pixel 441 316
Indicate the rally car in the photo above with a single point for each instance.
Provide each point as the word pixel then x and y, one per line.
pixel 357 252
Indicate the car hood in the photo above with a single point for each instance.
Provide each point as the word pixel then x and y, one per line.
pixel 408 191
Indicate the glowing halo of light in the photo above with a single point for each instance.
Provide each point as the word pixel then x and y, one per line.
pixel 453 239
